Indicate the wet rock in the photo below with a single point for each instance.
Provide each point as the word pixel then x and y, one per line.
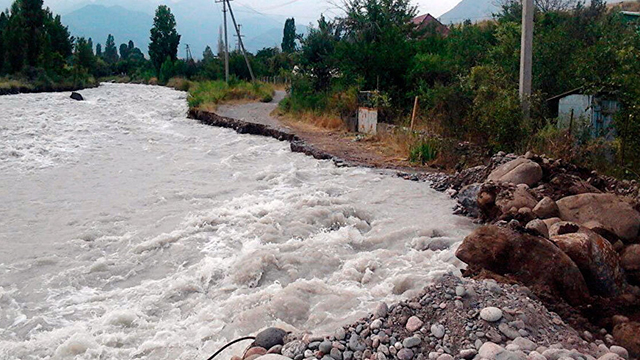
pixel 270 337
pixel 293 348
pixel 596 259
pixel 546 208
pixel 76 96
pixel 607 209
pixel 491 314
pixel 414 324
pixel 538 226
pixel 468 198
pixel 405 354
pixel 532 260
pixel 518 171
pixel 340 334
pixel 325 347
pixel 627 335
pixel 381 310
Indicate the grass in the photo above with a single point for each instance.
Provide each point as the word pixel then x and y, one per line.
pixel 15 85
pixel 207 95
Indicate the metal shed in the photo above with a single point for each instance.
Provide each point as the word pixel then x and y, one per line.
pixel 586 114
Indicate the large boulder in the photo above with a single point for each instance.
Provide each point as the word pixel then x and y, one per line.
pixel 531 260
pixel 518 198
pixel 596 259
pixel 630 262
pixel 609 210
pixel 76 96
pixel 518 171
pixel 546 208
pixel 627 335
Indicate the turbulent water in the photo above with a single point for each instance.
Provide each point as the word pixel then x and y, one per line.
pixel 129 231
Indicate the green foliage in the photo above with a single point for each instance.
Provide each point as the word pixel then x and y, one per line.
pixel 424 151
pixel 318 61
pixel 110 51
pixel 164 38
pixel 289 36
pixel 208 94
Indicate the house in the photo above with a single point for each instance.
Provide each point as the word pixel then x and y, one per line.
pixel 586 114
pixel 428 23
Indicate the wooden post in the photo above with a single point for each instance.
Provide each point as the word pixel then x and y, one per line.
pixel 413 116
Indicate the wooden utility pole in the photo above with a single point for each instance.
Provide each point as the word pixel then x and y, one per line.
pixel 413 115
pixel 526 55
pixel 244 51
pixel 226 40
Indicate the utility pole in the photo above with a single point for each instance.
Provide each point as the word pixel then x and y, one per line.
pixel 244 51
pixel 189 55
pixel 226 39
pixel 526 56
pixel 239 32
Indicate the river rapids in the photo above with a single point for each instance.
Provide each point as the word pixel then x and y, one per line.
pixel 129 231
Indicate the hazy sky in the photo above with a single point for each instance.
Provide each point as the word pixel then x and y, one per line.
pixel 305 10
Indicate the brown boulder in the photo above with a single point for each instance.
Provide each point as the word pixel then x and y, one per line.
pixel 609 210
pixel 531 260
pixel 546 208
pixel 630 261
pixel 563 227
pixel 538 226
pixel 518 197
pixel 627 335
pixel 518 171
pixel 596 259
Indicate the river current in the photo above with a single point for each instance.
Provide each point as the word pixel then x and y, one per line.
pixel 129 231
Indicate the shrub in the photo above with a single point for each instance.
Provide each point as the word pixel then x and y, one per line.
pixel 424 151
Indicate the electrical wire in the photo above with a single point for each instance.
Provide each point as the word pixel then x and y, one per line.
pixel 231 343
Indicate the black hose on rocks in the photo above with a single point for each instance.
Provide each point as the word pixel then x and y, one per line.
pixel 231 343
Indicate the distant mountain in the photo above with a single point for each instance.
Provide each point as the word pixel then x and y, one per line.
pixel 97 22
pixel 474 10
pixel 198 22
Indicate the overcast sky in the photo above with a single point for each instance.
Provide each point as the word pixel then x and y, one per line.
pixel 305 10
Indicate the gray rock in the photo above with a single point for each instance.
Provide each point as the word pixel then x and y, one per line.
pixel 491 314
pixel 376 324
pixel 381 310
pixel 546 208
pixel 411 342
pixel 293 348
pixel 518 171
pixel 438 330
pixel 325 347
pixel 314 345
pixel 273 357
pixel 76 96
pixel 460 290
pixel 525 344
pixel 340 334
pixel 355 344
pixel 622 352
pixel 490 350
pixel 336 354
pixel 445 357
pixel 381 356
pixel 327 357
pixel 405 354
pixel 270 337
pixel 509 355
pixel 347 355
pixel 534 355
pixel 610 356
pixel 508 331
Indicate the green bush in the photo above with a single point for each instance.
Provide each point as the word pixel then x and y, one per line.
pixel 424 151
pixel 211 93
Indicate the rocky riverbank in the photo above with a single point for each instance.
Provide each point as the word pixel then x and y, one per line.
pixel 557 237
pixel 451 319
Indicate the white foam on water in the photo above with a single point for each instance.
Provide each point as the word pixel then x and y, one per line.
pixel 139 233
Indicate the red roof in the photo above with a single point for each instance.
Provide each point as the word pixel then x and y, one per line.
pixel 425 20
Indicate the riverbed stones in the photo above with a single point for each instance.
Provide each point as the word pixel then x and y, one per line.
pixel 414 324
pixel 270 337
pixel 293 349
pixel 325 347
pixel 381 310
pixel 546 208
pixel 491 314
pixel 411 342
pixel 518 171
pixel 490 350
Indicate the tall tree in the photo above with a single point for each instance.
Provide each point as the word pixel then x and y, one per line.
pixel 164 38
pixel 289 36
pixel 207 55
pixel 99 50
pixel 124 51
pixel 318 59
pixel 33 16
pixel 14 39
pixel 110 50
pixel 83 55
pixel 3 24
